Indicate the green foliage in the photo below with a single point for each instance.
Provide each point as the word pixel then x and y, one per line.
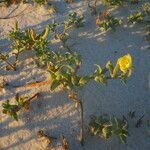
pixel 64 76
pixel 40 2
pixel 74 21
pixel 145 8
pixel 109 23
pixel 136 17
pixel 140 15
pixel 63 66
pixel 28 39
pixel 113 2
pixel 107 127
pixel 68 77
pixel 13 109
pixel 24 41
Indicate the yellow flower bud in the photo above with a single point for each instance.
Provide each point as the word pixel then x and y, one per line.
pixel 125 63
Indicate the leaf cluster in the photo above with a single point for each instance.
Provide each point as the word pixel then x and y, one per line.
pixel 140 15
pixel 13 109
pixel 113 2
pixel 107 127
pixel 74 20
pixel 109 23
pixel 21 103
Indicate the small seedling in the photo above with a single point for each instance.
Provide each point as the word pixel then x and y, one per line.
pixel 25 41
pixel 13 109
pixel 107 22
pixel 106 128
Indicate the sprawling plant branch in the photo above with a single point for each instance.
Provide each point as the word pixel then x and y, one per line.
pixel 63 66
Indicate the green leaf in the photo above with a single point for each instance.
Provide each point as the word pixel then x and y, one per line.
pixel 123 139
pixel 15 116
pixel 99 69
pixel 83 80
pixel 101 79
pixel 74 80
pixel 107 132
pixel 55 84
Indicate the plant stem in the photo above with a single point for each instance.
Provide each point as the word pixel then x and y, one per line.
pixel 31 98
pixel 82 126
pixel 27 102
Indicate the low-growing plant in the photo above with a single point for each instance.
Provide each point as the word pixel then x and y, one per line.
pixel 145 8
pixel 28 39
pixel 136 17
pixel 68 78
pixel 107 22
pixel 24 41
pixel 13 109
pixel 140 15
pixel 107 127
pixel 40 2
pixel 63 68
pixel 113 2
pixel 73 21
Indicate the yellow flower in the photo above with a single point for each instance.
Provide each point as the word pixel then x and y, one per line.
pixel 125 63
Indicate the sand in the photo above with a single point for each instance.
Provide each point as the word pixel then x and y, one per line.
pixel 53 112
